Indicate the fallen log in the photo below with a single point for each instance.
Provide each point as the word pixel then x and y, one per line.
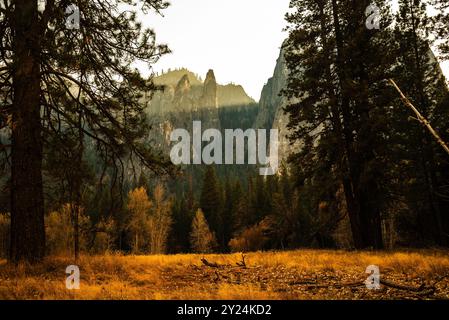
pixel 310 284
pixel 421 290
pixel 210 264
pixel 402 287
pixel 336 285
pixel 302 282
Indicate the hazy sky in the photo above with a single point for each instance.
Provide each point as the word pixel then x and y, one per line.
pixel 239 39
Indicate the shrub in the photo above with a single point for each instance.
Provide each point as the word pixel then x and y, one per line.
pixel 60 233
pixel 104 236
pixel 251 239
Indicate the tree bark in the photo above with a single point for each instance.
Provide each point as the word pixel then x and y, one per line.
pixel 348 168
pixel 27 201
pixel 364 216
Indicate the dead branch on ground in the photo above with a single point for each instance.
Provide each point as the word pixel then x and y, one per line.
pixel 242 263
pixel 210 264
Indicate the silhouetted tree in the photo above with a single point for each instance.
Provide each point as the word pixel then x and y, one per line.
pixel 337 70
pixel 211 201
pixel 39 72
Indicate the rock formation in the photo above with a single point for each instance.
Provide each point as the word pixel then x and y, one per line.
pixel 186 98
pixel 184 91
pixel 271 108
pixel 209 98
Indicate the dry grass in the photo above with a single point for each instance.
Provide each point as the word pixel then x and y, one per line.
pixel 269 275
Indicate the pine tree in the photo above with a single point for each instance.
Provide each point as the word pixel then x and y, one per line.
pixel 418 73
pixel 337 78
pixel 440 29
pixel 39 71
pixel 354 129
pixel 240 215
pixel 262 204
pixel 182 222
pixel 229 207
pixel 211 202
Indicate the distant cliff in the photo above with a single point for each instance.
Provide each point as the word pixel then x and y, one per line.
pixel 186 92
pixel 271 108
pixel 271 100
pixel 232 95
pixel 187 98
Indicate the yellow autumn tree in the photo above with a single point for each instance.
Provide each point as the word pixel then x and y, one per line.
pixel 60 232
pixel 160 220
pixel 138 207
pixel 202 240
pixel 104 236
pixel 252 238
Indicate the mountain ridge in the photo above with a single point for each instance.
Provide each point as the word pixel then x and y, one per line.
pixel 228 95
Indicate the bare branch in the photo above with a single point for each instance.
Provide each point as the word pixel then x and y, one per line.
pixel 420 117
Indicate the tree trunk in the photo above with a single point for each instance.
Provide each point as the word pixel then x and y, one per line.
pixel 348 166
pixel 364 216
pixel 27 202
pixel 371 218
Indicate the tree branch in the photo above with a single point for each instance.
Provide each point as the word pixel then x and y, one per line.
pixel 420 117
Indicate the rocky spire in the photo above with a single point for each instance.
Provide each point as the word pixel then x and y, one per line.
pixel 209 97
pixel 183 86
pixel 182 99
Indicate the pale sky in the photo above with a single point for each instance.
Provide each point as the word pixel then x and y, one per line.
pixel 239 39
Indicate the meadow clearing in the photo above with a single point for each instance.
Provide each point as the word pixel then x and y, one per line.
pixel 301 274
